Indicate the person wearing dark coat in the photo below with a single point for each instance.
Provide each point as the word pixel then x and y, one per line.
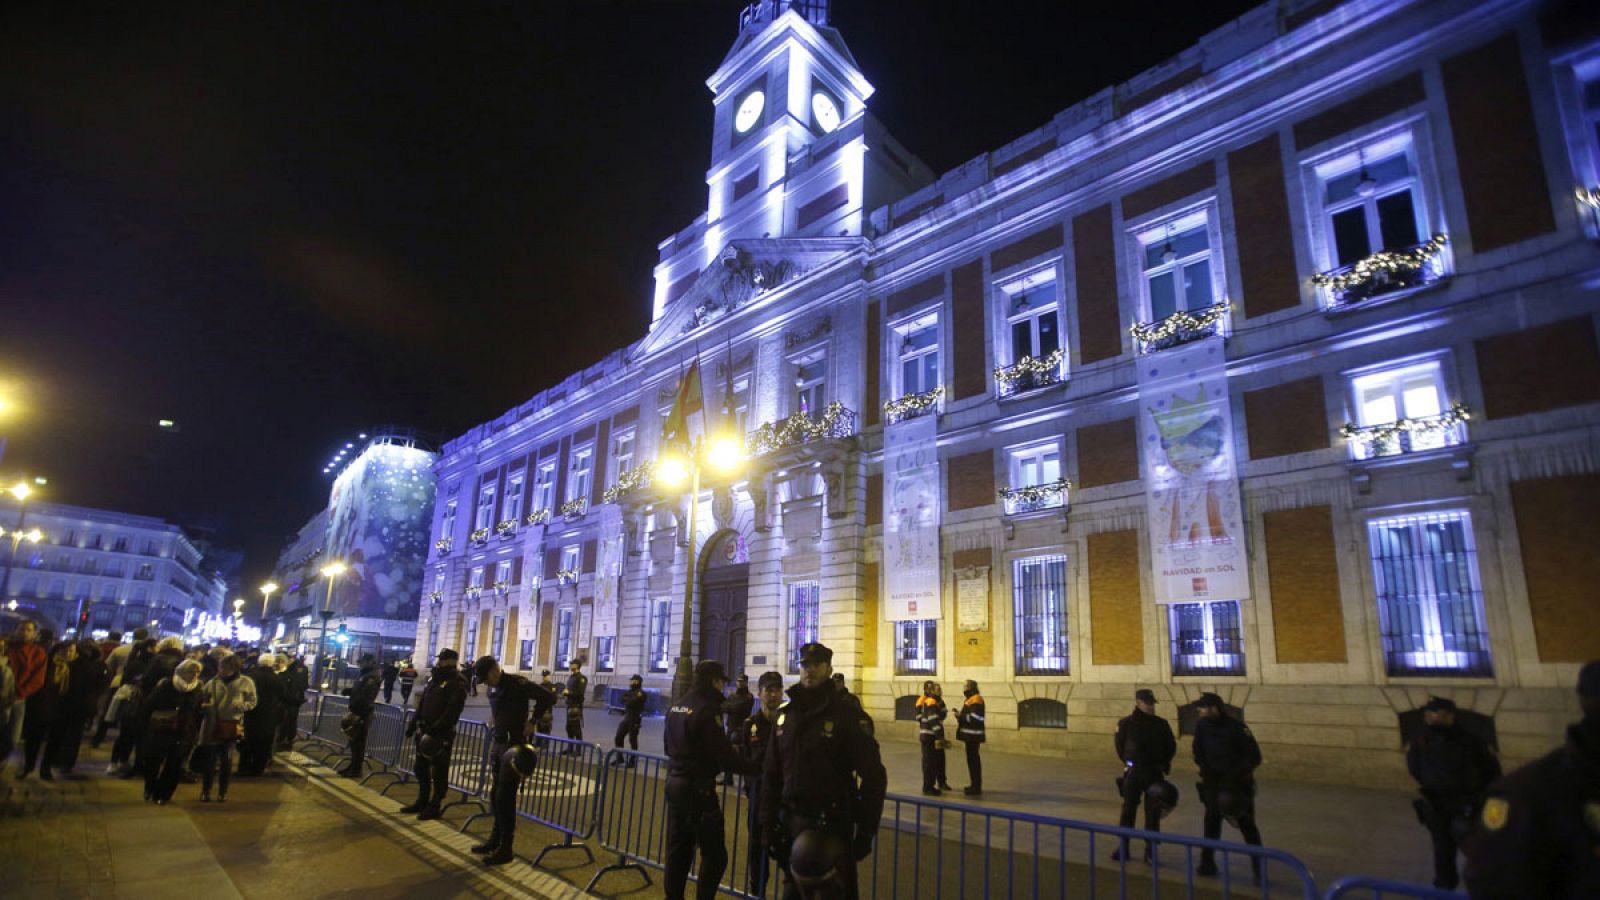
pixel 122 749
pixel 931 713
pixel 1146 746
pixel 261 723
pixel 1453 768
pixel 87 681
pixel 1227 755
pixel 363 703
pixel 408 680
pixel 390 673
pixel 172 714
pixel 633 701
pixel 972 731
pixel 434 727
pixel 736 709
pixel 697 750
pixel 295 680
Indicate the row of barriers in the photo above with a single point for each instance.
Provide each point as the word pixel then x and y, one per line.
pixel 925 848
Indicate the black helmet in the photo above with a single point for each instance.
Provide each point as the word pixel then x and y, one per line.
pixel 429 746
pixel 814 861
pixel 1164 794
pixel 519 761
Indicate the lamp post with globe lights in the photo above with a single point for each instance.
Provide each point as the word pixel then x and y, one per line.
pixel 21 533
pixel 330 571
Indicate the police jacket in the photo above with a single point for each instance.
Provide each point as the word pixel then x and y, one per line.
pixel 1145 742
pixel 510 706
pixel 738 707
pixel 754 735
pixel 1539 832
pixel 969 720
pixel 697 747
pixel 577 686
pixel 364 696
pixel 930 718
pixel 1225 750
pixel 439 707
pixel 633 701
pixel 1451 764
pixel 821 745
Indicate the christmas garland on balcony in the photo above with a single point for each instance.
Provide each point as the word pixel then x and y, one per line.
pixel 1048 365
pixel 1383 262
pixel 629 481
pixel 1388 431
pixel 796 428
pixel 574 507
pixel 1035 493
pixel 912 403
pixel 1588 196
pixel 567 576
pixel 436 596
pixel 503 527
pixel 538 517
pixel 502 586
pixel 443 545
pixel 482 534
pixel 1178 323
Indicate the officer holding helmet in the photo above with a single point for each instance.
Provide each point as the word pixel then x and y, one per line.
pixel 509 699
pixel 697 752
pixel 1227 754
pixel 1146 746
pixel 434 727
pixel 823 783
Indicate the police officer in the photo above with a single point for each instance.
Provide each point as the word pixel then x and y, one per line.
pixel 577 689
pixel 1452 767
pixel 408 680
pixel 547 722
pixel 510 696
pixel 434 727
pixel 822 743
pixel 697 751
pixel 1227 755
pixel 754 736
pixel 633 701
pixel 1146 746
pixel 970 731
pixel 1539 832
pixel 931 713
pixel 363 703
pixel 737 708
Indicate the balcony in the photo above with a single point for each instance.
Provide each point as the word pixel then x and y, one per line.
pixel 537 517
pixel 1179 328
pixel 911 406
pixel 479 536
pixel 1029 374
pixel 1035 498
pixel 506 529
pixel 636 478
pixel 1384 272
pixel 443 545
pixel 1407 435
pixel 574 509
pixel 435 596
pixel 836 422
pixel 565 577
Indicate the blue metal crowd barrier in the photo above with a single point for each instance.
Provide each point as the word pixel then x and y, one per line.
pixel 1360 886
pixel 386 733
pixel 564 792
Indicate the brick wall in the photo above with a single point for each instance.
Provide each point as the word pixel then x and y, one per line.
pixel 1263 236
pixel 1558 528
pixel 1517 374
pixel 1099 321
pixel 1303 576
pixel 1116 615
pixel 1108 453
pixel 971 480
pixel 1286 418
pixel 968 332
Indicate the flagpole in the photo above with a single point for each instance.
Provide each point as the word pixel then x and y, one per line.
pixel 683 678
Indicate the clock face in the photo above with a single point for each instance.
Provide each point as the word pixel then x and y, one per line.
pixel 825 111
pixel 749 111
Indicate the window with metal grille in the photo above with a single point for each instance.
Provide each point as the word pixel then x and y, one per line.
pixel 471 648
pixel 433 639
pixel 804 610
pixel 1041 712
pixel 660 624
pixel 605 653
pixel 563 637
pixel 499 645
pixel 1039 602
pixel 905 708
pixel 914 647
pixel 1206 638
pixel 1429 601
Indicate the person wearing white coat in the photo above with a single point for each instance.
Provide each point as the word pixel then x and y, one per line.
pixel 225 699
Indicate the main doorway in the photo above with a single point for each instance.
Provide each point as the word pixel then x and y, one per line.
pixel 725 601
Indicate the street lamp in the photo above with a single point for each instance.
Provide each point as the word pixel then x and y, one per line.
pixel 723 454
pixel 330 571
pixel 267 591
pixel 21 492
pixel 238 613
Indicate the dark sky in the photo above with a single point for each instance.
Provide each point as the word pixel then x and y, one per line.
pixel 281 223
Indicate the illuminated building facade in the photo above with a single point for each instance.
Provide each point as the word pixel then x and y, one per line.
pixel 1272 371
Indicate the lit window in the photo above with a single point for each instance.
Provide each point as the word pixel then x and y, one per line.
pixel 741 404
pixel 1039 603
pixel 605 654
pixel 544 487
pixel 571 557
pixel 622 454
pixel 660 634
pixel 502 573
pixel 1206 638
pixel 433 638
pixel 918 369
pixel 1178 271
pixel 498 647
pixel 1035 480
pixel 1430 608
pixel 475 579
pixel 438 583
pixel 810 385
pixel 915 647
pixel 579 478
pixel 1400 410
pixel 447 525
pixel 1578 83
pixel 513 502
pixel 472 637
pixel 804 612
pixel 563 636
pixel 485 517
pixel 1031 319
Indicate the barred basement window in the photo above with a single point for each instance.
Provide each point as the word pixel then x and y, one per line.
pixel 905 708
pixel 804 612
pixel 914 649
pixel 1039 598
pixel 1041 712
pixel 1430 605
pixel 1206 638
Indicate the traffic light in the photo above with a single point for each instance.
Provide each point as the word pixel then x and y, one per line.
pixel 343 634
pixel 83 621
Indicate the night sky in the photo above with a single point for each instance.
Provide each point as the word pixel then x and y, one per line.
pixel 279 224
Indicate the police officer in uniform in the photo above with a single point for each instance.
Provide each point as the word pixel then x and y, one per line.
pixel 509 700
pixel 1227 754
pixel 577 689
pixel 697 751
pixel 363 703
pixel 931 713
pixel 1146 746
pixel 823 773
pixel 754 735
pixel 1539 832
pixel 434 727
pixel 737 708
pixel 547 722
pixel 633 701
pixel 1452 767
pixel 970 730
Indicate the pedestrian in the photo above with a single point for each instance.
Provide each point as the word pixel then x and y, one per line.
pixel 86 683
pixel 577 689
pixel 434 727
pixel 970 730
pixel 1227 755
pixel 98 720
pixel 391 672
pixel 1539 832
pixel 116 662
pixel 169 652
pixel 296 680
pixel 510 697
pixel 823 781
pixel 127 702
pixel 697 752
pixel 1452 767
pixel 547 722
pixel 8 698
pixel 633 701
pixel 931 713
pixel 261 723
pixel 737 708
pixel 472 683
pixel 28 663
pixel 1145 746
pixel 225 698
pixel 754 738
pixel 43 706
pixel 363 703
pixel 173 714
pixel 408 680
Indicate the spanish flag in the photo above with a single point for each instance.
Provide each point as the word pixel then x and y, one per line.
pixel 688 402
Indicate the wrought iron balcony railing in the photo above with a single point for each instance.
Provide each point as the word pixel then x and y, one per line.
pixel 1050 495
pixel 1407 435
pixel 1180 328
pixel 506 528
pixel 479 535
pixel 1384 272
pixel 538 517
pixel 632 480
pixel 911 406
pixel 567 576
pixel 799 428
pixel 443 545
pixel 1029 374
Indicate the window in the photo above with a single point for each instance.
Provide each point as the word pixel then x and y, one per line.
pixel 571 559
pixel 1206 638
pixel 622 453
pixel 918 368
pixel 804 611
pixel 94 542
pixel 498 647
pixel 472 637
pixel 1039 602
pixel 70 539
pixel 121 545
pixel 502 574
pixel 1031 317
pixel 605 654
pixel 660 627
pixel 150 548
pixel 741 403
pixel 146 572
pixel 1425 571
pixel 1411 397
pixel 544 487
pixel 1579 86
pixel 579 478
pixel 1031 468
pixel 141 596
pixel 447 525
pixel 1041 712
pixel 810 385
pixel 513 504
pixel 563 636
pixel 433 638
pixel 526 660
pixel 30 587
pixel 485 515
pixel 1178 273
pixel 84 590
pixel 914 647
pixel 475 579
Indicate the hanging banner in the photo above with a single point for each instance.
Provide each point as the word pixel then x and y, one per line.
pixel 1197 549
pixel 528 590
pixel 911 501
pixel 608 572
